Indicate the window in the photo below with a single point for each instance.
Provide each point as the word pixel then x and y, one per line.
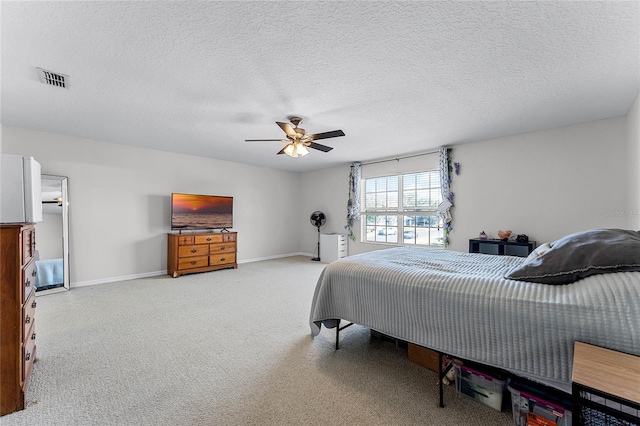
pixel 401 209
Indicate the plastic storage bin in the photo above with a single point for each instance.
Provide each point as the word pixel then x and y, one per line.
pixel 481 387
pixel 535 410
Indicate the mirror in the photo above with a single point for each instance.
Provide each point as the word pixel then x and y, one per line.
pixel 52 237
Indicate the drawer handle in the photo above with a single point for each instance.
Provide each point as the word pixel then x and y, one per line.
pixel 27 356
pixel 222 259
pixel 221 247
pixel 193 262
pixel 27 283
pixel 33 274
pixel 27 320
pixel 33 305
pixel 208 238
pixel 194 251
pixel 33 336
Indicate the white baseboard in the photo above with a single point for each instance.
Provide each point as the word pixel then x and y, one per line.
pixel 279 256
pixel 164 272
pixel 116 279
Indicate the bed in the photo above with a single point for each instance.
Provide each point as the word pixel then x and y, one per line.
pixel 49 273
pixel 487 308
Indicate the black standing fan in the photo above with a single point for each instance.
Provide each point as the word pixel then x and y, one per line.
pixel 317 219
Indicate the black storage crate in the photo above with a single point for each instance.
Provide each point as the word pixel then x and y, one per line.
pixel 600 409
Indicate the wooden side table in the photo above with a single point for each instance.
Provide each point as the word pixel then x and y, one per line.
pixel 605 386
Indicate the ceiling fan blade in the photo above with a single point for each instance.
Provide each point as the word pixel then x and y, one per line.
pixel 319 147
pixel 326 135
pixel 287 129
pixel 265 140
pixel 281 151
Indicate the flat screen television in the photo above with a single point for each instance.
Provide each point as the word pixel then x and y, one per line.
pixel 192 211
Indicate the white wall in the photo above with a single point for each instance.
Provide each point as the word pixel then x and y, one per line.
pixel 544 184
pixel 633 135
pixel 326 190
pixel 120 201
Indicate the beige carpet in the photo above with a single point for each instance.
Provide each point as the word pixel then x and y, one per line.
pixel 230 347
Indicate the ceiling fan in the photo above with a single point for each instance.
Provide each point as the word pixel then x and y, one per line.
pixel 298 141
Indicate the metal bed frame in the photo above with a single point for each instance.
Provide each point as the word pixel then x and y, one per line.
pixel 441 373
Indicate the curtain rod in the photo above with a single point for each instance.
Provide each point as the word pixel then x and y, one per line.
pixel 400 158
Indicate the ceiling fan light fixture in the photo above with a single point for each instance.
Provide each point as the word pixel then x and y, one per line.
pixel 290 150
pixel 298 141
pixel 302 150
pixel 296 149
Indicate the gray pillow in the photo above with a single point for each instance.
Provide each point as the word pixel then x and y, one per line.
pixel 579 255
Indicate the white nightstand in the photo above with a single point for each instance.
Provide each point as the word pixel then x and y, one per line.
pixel 333 247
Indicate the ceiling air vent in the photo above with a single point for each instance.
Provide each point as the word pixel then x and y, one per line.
pixel 53 78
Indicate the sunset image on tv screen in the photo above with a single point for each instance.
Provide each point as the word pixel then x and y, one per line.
pixel 190 211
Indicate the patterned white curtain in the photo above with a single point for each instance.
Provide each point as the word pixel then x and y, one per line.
pixel 353 205
pixel 444 209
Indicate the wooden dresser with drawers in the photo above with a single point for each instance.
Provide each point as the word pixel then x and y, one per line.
pixel 17 309
pixel 200 252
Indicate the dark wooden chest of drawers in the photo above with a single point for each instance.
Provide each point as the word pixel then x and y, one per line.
pixel 17 310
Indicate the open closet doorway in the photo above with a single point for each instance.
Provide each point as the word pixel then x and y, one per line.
pixel 52 237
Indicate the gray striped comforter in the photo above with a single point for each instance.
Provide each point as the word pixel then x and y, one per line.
pixel 460 304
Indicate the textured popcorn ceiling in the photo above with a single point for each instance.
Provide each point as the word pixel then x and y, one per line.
pixel 397 77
